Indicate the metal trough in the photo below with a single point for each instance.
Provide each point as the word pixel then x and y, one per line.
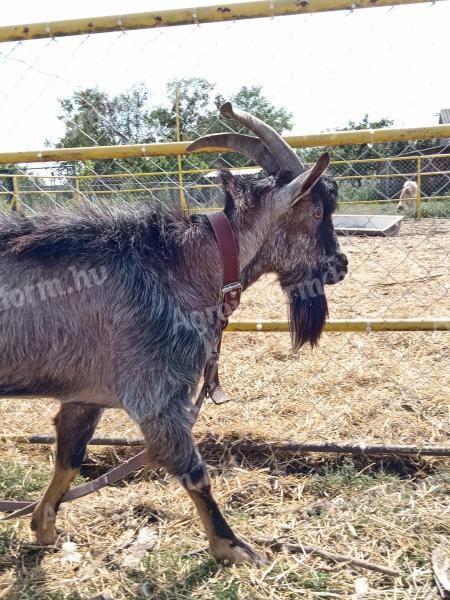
pixel 383 225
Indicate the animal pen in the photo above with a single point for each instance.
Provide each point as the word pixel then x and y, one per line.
pixel 345 446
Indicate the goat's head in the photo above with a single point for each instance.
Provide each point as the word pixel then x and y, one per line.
pixel 301 247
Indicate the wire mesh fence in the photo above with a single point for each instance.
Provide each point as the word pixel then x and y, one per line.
pixel 365 186
pixel 110 90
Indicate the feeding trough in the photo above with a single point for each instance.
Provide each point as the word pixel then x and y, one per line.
pixel 382 225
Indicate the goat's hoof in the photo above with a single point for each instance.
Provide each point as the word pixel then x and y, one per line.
pixel 235 551
pixel 45 537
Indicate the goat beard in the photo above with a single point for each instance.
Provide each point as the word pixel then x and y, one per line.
pixel 308 310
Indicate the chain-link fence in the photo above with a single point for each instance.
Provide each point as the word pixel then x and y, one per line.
pixel 365 186
pixel 121 137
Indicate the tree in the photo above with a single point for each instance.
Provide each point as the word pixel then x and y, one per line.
pixel 92 117
pixel 360 184
pixel 252 100
pixel 351 152
pixel 196 110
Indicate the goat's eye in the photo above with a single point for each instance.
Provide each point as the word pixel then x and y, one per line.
pixel 318 212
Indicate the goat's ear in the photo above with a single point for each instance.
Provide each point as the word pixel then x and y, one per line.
pixel 228 183
pixel 301 185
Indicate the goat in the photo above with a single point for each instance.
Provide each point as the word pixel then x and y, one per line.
pixel 408 195
pixel 109 306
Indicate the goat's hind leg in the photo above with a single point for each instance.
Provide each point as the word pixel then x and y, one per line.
pixel 170 445
pixel 75 425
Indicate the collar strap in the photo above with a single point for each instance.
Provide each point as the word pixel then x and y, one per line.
pixel 231 290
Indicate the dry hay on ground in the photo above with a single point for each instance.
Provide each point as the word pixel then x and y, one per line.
pixel 379 388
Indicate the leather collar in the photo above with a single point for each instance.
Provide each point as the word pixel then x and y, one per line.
pixel 232 287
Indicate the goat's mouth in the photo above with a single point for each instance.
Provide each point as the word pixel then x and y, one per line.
pixel 335 270
pixel 308 310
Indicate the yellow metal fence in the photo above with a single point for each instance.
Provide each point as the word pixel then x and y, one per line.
pixel 186 16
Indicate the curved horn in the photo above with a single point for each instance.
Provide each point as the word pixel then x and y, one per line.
pixel 249 146
pixel 284 155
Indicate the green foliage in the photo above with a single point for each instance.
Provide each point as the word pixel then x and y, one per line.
pixel 366 190
pixel 352 152
pixel 226 590
pixel 6 537
pixel 436 209
pixel 167 574
pixel 17 481
pixel 337 477
pixel 319 581
pixel 196 109
pixel 252 99
pixel 93 117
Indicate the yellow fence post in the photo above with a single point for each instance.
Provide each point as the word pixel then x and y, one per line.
pixel 180 166
pixel 15 204
pixel 419 188
pixel 77 190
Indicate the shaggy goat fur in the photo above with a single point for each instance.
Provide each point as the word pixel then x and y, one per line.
pixel 117 307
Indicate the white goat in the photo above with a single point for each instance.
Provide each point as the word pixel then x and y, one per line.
pixel 408 195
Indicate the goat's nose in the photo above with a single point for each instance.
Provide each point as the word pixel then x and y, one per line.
pixel 342 260
pixel 400 207
pixel 337 269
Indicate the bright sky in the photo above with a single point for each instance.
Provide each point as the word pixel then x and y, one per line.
pixel 325 68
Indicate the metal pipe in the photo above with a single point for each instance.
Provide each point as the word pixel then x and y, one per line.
pixel 78 195
pixel 207 170
pixel 303 447
pixel 419 188
pixel 16 198
pixel 336 138
pixel 183 202
pixel 342 325
pixel 185 16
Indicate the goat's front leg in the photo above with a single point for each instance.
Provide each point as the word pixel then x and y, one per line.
pixel 170 445
pixel 75 425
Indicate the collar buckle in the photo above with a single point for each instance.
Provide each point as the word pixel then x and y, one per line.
pixel 231 297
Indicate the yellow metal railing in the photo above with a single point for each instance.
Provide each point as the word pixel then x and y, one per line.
pixel 345 325
pixel 336 138
pixel 186 16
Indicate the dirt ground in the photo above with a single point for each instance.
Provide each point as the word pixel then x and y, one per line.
pixel 355 387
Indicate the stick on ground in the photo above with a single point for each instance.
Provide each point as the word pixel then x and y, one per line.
pixel 277 546
pixel 306 447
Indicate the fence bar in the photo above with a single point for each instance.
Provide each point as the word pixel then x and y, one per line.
pixel 77 195
pixel 304 447
pixel 15 199
pixel 185 16
pixel 183 202
pixel 336 138
pixel 340 325
pixel 419 189
pixel 387 159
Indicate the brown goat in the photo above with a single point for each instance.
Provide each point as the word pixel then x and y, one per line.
pixel 107 307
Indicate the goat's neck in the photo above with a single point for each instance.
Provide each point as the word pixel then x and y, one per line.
pixel 255 269
pixel 252 232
